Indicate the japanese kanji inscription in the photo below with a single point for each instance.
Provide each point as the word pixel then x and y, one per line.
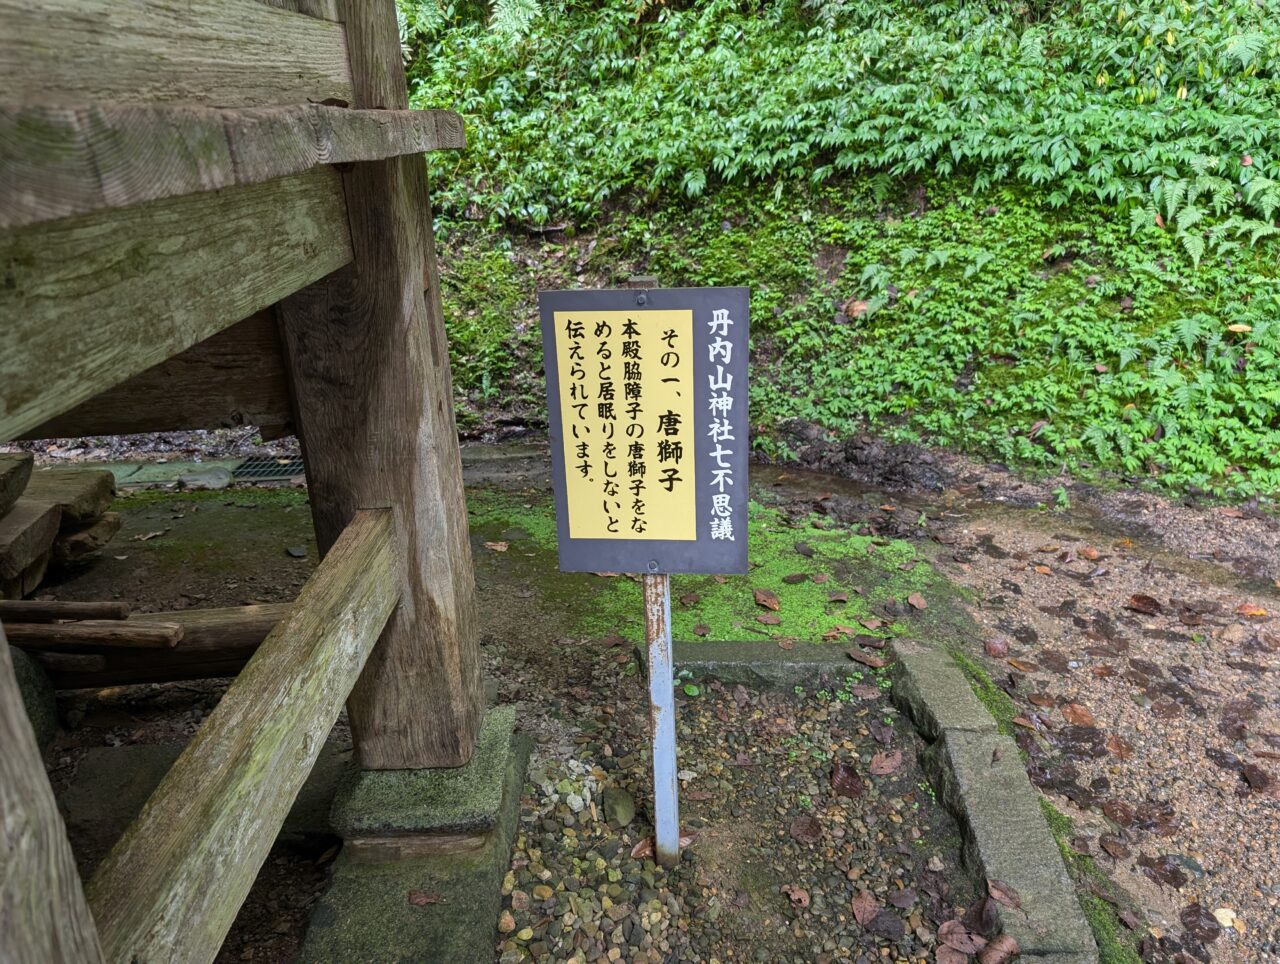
pixel 647 392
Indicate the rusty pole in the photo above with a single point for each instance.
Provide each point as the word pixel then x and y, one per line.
pixel 662 718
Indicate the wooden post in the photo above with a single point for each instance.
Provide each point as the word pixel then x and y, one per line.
pixel 369 363
pixel 43 914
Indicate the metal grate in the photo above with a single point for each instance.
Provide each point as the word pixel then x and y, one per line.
pixel 265 468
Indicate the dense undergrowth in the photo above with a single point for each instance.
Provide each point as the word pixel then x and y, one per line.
pixel 1037 232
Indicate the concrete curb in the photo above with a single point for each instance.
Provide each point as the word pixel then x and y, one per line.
pixel 979 777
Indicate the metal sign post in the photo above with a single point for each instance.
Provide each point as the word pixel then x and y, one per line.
pixel 662 718
pixel 647 405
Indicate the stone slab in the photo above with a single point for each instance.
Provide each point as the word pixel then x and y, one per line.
pixel 760 663
pixel 979 777
pixel 442 907
pixel 930 688
pixel 457 800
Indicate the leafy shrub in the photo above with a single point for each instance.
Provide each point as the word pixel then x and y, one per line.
pixel 1159 107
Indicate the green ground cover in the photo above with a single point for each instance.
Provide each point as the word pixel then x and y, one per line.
pixel 862 573
pixel 1039 233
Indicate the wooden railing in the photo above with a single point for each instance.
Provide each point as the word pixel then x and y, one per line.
pixel 180 251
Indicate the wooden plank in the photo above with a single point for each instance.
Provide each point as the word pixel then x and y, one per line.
pixel 26 582
pixel 369 361
pixel 43 915
pixel 27 532
pixel 61 161
pixel 170 888
pixel 15 470
pixel 215 642
pixel 224 53
pixel 81 494
pixel 91 633
pixel 90 301
pixel 51 610
pixel 324 9
pixel 233 378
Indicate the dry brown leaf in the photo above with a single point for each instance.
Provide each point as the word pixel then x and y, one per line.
pixel 1079 715
pixel 799 896
pixel 882 764
pixel 917 601
pixel 1001 949
pixel 838 597
pixel 497 546
pixel 958 937
pixel 769 619
pixel 845 780
pixel 865 907
pixel 767 599
pixel 1003 893
pixel 866 659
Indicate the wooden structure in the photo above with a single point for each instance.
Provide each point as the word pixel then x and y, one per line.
pixel 215 213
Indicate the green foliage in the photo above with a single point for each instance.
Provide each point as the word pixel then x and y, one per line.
pixel 1152 106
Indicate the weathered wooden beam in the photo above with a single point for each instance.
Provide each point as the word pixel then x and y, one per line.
pixel 215 642
pixel 80 494
pixel 43 915
pixel 324 9
pixel 92 633
pixel 170 888
pixel 15 470
pixel 27 532
pixel 369 361
pixel 225 53
pixel 235 377
pixel 92 300
pixel 51 610
pixel 61 161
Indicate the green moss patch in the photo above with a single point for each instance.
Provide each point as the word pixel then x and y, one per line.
pixel 804 564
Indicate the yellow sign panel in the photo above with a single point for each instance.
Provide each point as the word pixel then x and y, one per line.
pixel 626 402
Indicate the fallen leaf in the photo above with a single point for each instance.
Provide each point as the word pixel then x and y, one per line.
pixel 1043 700
pixel 1000 949
pixel 838 597
pixel 690 599
pixel 1003 893
pixel 1114 846
pixel 871 623
pixel 1240 329
pixel 1251 611
pixel 769 619
pixel 820 577
pixel 866 659
pixel 806 828
pixel 804 549
pixel 702 629
pixel 864 691
pixel 996 648
pixel 909 565
pixel 1119 747
pixel 1044 570
pixel 420 898
pixel 799 896
pixel 958 937
pixel 786 642
pixel 1023 666
pixel 949 955
pixel 497 546
pixel 1200 923
pixel 888 925
pixel 1142 603
pixel 145 536
pixel 1079 715
pixel 845 780
pixel 795 578
pixel 882 764
pixel 645 847
pixel 917 601
pixel 902 899
pixel 1090 553
pixel 865 907
pixel 767 599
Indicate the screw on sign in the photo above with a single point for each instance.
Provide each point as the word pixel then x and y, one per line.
pixel 647 403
